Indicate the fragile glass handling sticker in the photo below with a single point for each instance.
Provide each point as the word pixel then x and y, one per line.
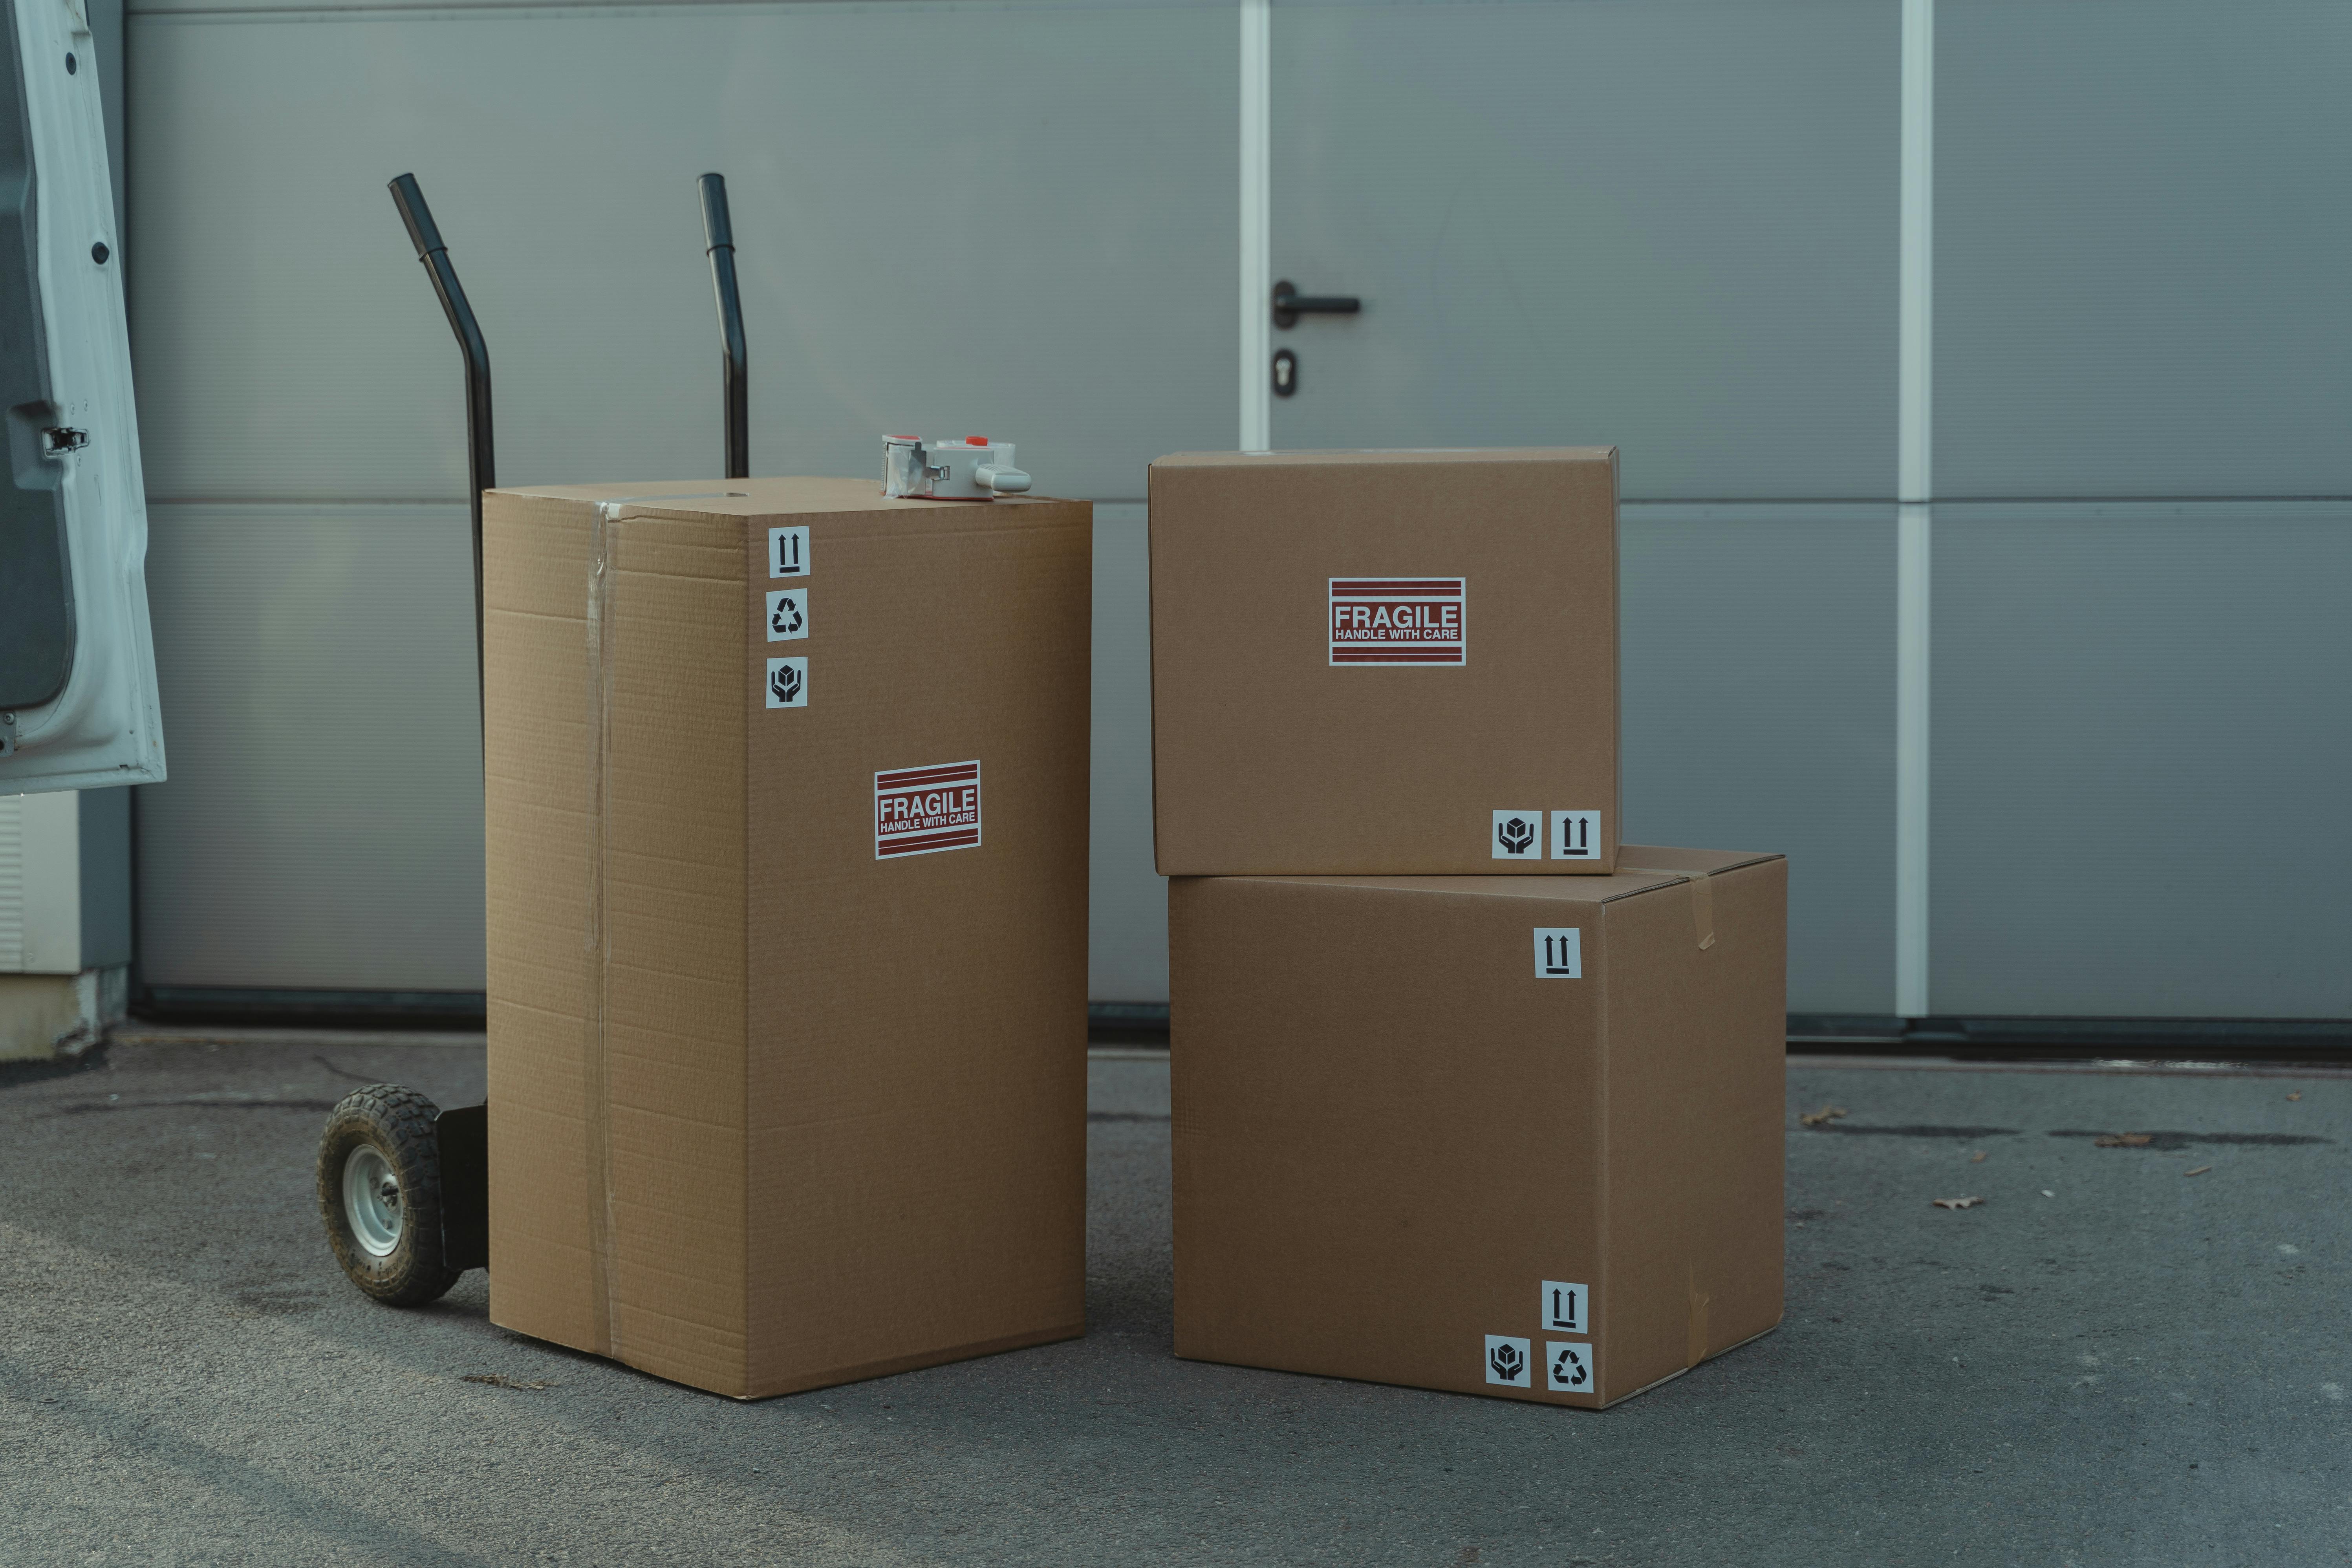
pixel 1567 1367
pixel 788 683
pixel 1518 836
pixel 1398 620
pixel 921 811
pixel 1508 1362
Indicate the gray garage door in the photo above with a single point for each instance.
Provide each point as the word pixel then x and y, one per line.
pixel 1677 225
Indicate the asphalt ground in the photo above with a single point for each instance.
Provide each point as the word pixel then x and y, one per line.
pixel 2111 1360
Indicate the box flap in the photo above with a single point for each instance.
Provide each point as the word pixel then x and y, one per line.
pixel 1641 868
pixel 1583 889
pixel 1660 867
pixel 1356 459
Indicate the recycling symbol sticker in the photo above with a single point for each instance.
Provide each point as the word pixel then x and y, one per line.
pixel 1567 1367
pixel 787 613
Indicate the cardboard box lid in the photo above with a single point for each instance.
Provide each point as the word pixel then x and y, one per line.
pixel 1353 457
pixel 760 498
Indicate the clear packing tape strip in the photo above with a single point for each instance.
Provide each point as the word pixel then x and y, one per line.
pixel 1702 894
pixel 603 1218
pixel 596 1085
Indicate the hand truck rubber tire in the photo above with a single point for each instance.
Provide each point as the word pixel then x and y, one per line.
pixel 380 1194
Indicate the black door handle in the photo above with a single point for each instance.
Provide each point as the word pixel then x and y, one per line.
pixel 1289 304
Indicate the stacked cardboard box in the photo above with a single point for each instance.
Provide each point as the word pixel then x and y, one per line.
pixel 787 882
pixel 1467 1094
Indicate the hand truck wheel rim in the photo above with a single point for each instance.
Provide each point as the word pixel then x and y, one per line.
pixel 372 1205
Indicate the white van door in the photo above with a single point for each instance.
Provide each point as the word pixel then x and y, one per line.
pixel 78 699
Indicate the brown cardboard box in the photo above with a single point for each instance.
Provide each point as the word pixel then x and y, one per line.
pixel 1385 662
pixel 787 938
pixel 1447 1131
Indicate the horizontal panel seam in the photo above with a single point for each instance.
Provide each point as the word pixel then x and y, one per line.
pixel 1775 503
pixel 457 501
pixel 445 11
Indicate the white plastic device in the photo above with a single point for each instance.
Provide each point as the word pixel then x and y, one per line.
pixel 974 468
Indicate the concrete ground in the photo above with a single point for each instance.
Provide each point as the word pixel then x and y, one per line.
pixel 2110 1361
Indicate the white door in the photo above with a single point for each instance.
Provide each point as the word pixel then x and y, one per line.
pixel 1670 227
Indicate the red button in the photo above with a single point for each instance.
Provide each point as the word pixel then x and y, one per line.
pixel 975 441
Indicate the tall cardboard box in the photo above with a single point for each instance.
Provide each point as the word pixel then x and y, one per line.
pixel 787 878
pixel 1385 662
pixel 1512 1136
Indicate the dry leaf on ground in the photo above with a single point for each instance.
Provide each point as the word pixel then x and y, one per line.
pixel 1977 1158
pixel 2296 1095
pixel 2120 1141
pixel 1826 1113
pixel 1956 1202
pixel 500 1380
pixel 2198 1172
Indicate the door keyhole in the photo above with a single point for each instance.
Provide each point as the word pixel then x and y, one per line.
pixel 1286 373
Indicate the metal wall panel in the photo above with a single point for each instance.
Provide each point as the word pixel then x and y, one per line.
pixel 1013 220
pixel 1669 227
pixel 1759 714
pixel 2143 264
pixel 2142 761
pixel 322 827
pixel 1127 910
pixel 1018 220
pixel 106 893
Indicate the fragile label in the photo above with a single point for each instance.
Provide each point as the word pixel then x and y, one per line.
pixel 1576 836
pixel 1560 954
pixel 1398 620
pixel 1518 836
pixel 1508 1362
pixel 921 811
pixel 788 683
pixel 788 551
pixel 1567 1367
pixel 1565 1306
pixel 787 613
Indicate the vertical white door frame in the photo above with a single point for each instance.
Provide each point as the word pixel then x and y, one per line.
pixel 1256 263
pixel 1914 494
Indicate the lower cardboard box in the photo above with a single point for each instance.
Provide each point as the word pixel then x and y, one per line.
pixel 1512 1136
